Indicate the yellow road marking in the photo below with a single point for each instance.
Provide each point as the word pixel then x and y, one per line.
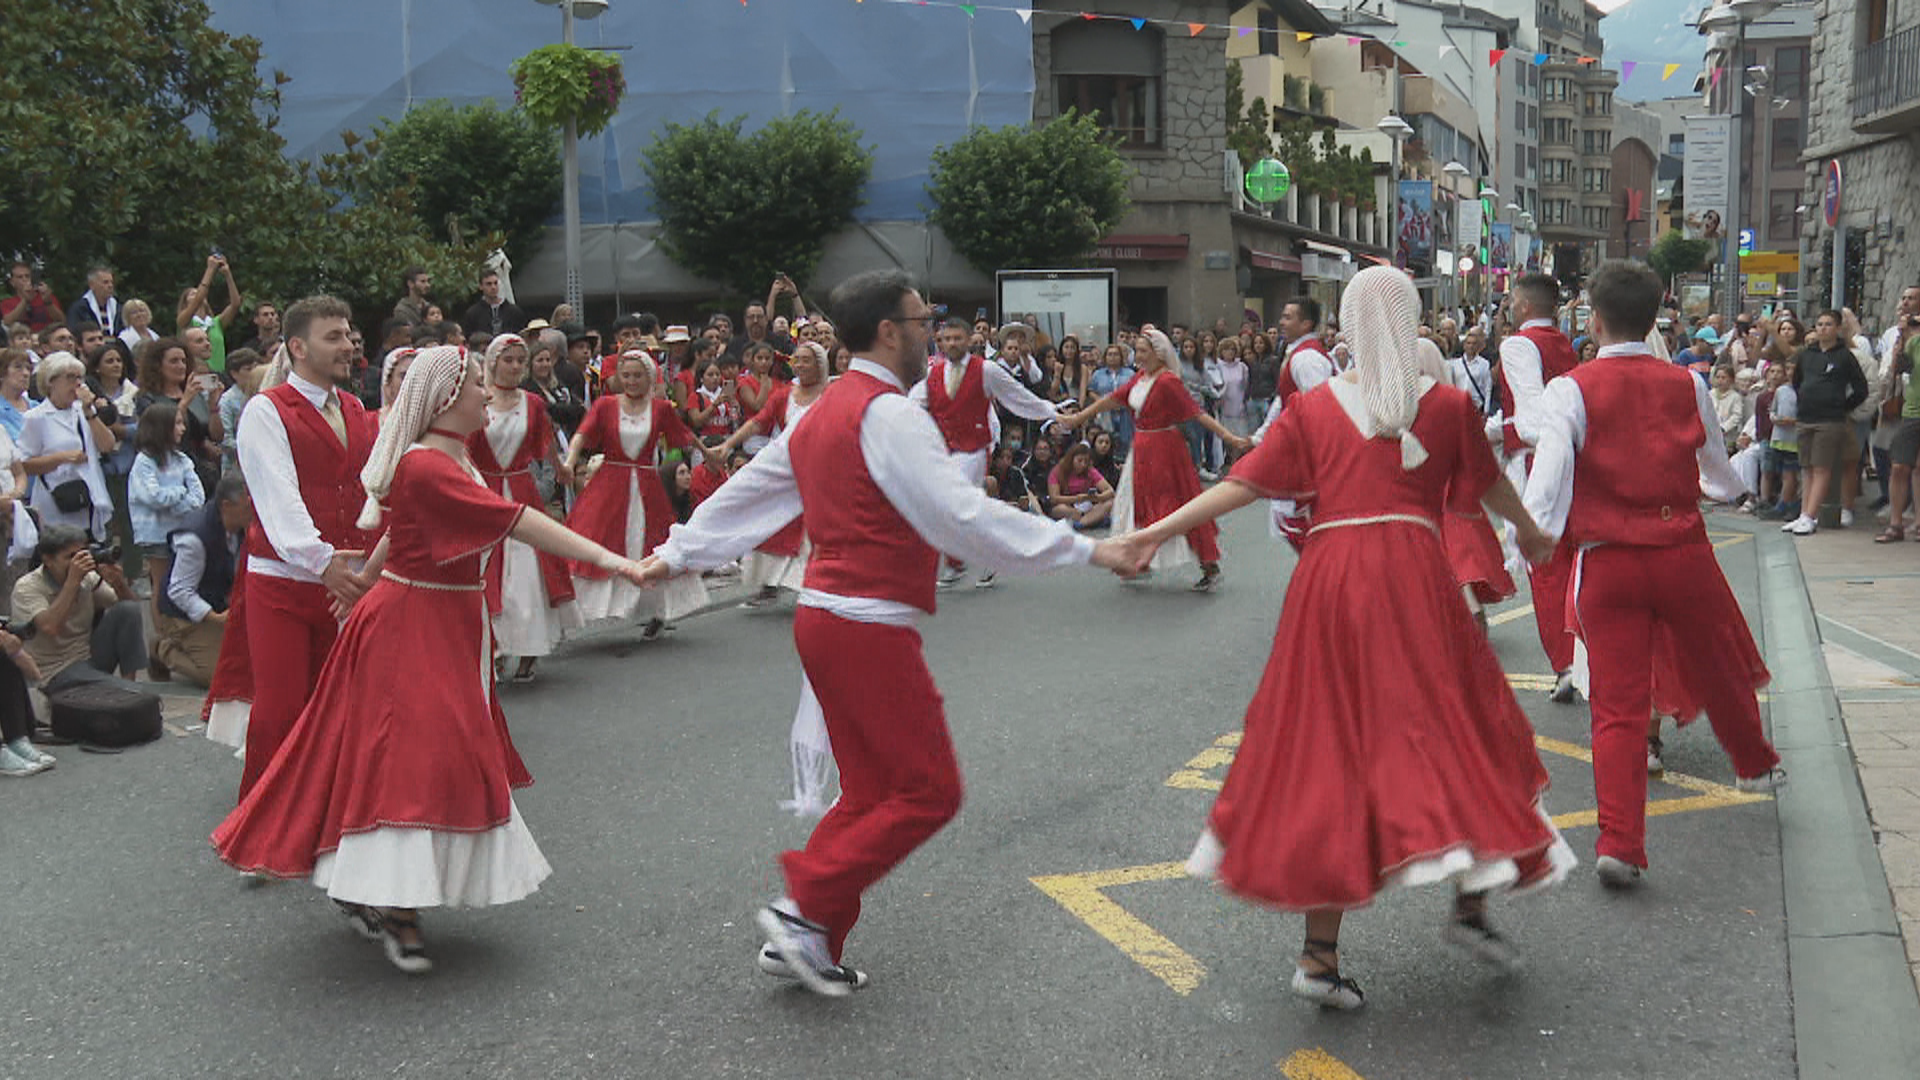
pixel 1315 1064
pixel 1193 776
pixel 1081 895
pixel 1731 539
pixel 1508 616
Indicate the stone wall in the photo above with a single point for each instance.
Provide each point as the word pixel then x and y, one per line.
pixel 1882 194
pixel 1190 167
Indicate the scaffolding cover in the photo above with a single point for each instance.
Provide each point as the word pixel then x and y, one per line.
pixel 910 77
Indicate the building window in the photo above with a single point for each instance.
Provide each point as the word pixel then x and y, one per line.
pixel 1786 143
pixel 1269 32
pixel 1533 163
pixel 1677 145
pixel 1790 73
pixel 1596 180
pixel 1780 215
pixel 1533 121
pixel 1111 70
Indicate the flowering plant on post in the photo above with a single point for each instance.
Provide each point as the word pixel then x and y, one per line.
pixel 555 83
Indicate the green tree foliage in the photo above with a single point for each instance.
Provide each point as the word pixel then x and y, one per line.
pixel 137 135
pixel 1674 254
pixel 492 170
pixel 1029 197
pixel 1249 127
pixel 739 208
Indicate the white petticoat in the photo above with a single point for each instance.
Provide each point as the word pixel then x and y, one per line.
pixel 607 598
pixel 227 725
pixel 787 572
pixel 423 868
pixel 528 625
pixel 1173 554
pixel 1455 864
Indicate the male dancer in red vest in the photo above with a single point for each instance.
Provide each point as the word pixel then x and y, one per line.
pixel 959 392
pixel 1304 360
pixel 1621 457
pixel 302 445
pixel 1530 358
pixel 882 498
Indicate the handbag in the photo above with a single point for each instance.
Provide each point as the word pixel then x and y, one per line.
pixel 72 496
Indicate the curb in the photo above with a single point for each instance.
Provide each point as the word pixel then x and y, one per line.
pixel 1855 1009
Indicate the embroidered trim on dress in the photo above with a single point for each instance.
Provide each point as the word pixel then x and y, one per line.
pixel 436 586
pixel 1377 519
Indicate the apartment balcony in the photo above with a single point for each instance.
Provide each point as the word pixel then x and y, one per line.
pixel 1568 108
pixel 1886 84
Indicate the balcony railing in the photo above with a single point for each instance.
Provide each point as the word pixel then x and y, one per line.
pixel 1886 75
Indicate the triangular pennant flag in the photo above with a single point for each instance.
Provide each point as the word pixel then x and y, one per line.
pixel 1715 75
pixel 1494 55
pixel 1302 35
pixel 968 8
pixel 1088 15
pixel 1138 23
pixel 1353 41
pixel 1398 44
pixel 1539 58
pixel 1668 74
pixel 1589 59
pixel 1445 49
pixel 1026 14
pixel 1194 28
pixel 1626 69
pixel 1243 31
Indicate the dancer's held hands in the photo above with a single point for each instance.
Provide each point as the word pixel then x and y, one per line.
pixel 633 571
pixel 1537 546
pixel 652 570
pixel 1126 555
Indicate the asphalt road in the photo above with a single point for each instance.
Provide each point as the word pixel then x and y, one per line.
pixel 129 951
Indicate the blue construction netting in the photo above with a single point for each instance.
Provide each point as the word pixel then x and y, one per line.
pixel 910 77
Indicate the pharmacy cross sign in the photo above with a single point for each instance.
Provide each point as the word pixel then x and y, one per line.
pixel 1268 181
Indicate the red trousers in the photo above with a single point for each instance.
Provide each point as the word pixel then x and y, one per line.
pixel 290 628
pixel 899 782
pixel 1549 583
pixel 1624 591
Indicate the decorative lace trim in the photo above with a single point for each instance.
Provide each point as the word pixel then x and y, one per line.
pixel 1377 519
pixel 436 586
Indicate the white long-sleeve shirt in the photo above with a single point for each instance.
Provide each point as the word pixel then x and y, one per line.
pixel 1521 365
pixel 1309 370
pixel 189 566
pixel 266 459
pixel 1562 414
pixel 1001 387
pixel 908 460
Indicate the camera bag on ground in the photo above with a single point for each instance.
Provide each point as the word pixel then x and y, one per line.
pixel 104 714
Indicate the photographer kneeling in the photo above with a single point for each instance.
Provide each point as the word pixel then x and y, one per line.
pixel 86 619
pixel 192 616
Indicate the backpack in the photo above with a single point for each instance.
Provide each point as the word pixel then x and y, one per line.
pixel 105 714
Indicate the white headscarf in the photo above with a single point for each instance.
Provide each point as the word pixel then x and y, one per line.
pixel 278 368
pixel 1657 345
pixel 1162 346
pixel 1380 313
pixel 1432 362
pixel 433 382
pixel 386 371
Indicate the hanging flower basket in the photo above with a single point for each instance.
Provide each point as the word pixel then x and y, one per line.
pixel 557 83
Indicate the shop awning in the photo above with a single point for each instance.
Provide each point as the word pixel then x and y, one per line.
pixel 1142 248
pixel 1267 260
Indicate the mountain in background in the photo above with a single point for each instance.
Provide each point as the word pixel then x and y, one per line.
pixel 1654 33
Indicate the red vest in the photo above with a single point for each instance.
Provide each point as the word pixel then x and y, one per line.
pixel 1636 481
pixel 329 474
pixel 861 544
pixel 1284 387
pixel 963 416
pixel 1556 359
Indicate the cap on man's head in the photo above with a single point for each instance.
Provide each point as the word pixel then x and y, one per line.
pixel 1706 334
pixel 1020 328
pixel 536 325
pixel 576 332
pixel 676 333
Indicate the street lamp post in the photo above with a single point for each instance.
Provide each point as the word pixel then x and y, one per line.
pixel 1455 171
pixel 570 155
pixel 1399 131
pixel 1732 17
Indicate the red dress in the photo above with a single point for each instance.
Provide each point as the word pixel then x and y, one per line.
pixel 404 733
pixel 230 695
pixel 517 476
pixel 601 513
pixel 1474 553
pixel 1159 476
pixel 1383 745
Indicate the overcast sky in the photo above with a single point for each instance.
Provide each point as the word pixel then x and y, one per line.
pixel 1653 32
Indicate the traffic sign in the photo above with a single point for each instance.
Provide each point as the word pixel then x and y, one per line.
pixel 1831 202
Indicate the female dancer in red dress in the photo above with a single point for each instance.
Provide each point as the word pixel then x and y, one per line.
pixel 529 594
pixel 1384 746
pixel 1159 474
pixel 624 506
pixel 1472 548
pixel 393 791
pixel 781 562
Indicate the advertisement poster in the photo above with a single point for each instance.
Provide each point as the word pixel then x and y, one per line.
pixel 1500 253
pixel 1415 244
pixel 1709 178
pixel 1471 216
pixel 1060 302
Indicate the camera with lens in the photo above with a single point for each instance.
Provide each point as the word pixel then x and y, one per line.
pixel 104 553
pixel 22 630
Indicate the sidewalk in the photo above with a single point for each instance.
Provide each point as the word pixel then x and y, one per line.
pixel 1866 602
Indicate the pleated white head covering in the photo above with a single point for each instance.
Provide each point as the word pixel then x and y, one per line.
pixel 433 382
pixel 1162 346
pixel 278 368
pixel 1657 345
pixel 1433 363
pixel 1381 316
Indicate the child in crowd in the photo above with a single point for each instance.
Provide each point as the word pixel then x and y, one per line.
pixel 714 410
pixel 1730 405
pixel 1786 441
pixel 164 493
pixel 247 368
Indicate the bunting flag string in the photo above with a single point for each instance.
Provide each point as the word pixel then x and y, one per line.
pixel 1195 29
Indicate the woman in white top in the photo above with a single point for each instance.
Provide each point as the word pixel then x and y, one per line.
pixel 139 329
pixel 62 439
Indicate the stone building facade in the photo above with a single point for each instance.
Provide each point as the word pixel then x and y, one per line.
pixel 1865 90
